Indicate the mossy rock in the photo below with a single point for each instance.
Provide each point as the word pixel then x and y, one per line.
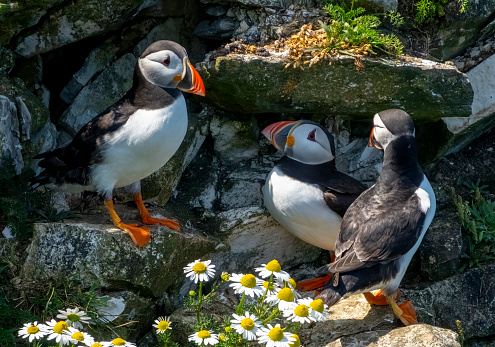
pixel 253 84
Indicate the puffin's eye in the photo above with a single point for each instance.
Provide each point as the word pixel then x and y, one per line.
pixel 166 61
pixel 311 136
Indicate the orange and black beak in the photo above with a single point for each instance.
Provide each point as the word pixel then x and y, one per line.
pixel 191 81
pixel 277 133
pixel 372 141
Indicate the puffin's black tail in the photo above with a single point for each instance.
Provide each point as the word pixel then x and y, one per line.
pixel 332 293
pixel 51 163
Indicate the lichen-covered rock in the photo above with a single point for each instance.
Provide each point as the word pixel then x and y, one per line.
pixel 76 21
pixel 7 60
pixel 254 84
pixel 104 253
pixel 418 335
pixel 467 297
pixel 255 238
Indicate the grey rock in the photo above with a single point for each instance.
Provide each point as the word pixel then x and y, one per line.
pixel 100 252
pixel 241 188
pixel 101 93
pixel 43 141
pixel 217 11
pixel 99 59
pixel 7 60
pixel 418 335
pixel 9 134
pixel 466 297
pixel 264 85
pixel 219 29
pixel 24 119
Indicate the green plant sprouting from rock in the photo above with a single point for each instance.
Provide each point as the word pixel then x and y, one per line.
pixel 428 10
pixel 350 28
pixel 478 220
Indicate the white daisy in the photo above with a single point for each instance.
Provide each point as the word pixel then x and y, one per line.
pixel 284 298
pixel 319 310
pixel 97 344
pixel 247 284
pixel 199 271
pixel 56 331
pixel 275 336
pixel 273 268
pixel 118 342
pixel 299 313
pixel 33 331
pixel 291 283
pixel 246 325
pixel 204 337
pixel 76 336
pixel 162 325
pixel 296 343
pixel 74 317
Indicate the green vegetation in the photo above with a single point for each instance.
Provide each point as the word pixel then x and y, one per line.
pixel 478 221
pixel 428 10
pixel 352 28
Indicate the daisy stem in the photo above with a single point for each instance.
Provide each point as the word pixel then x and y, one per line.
pixel 218 285
pixel 273 315
pixel 200 301
pixel 240 307
pixel 262 298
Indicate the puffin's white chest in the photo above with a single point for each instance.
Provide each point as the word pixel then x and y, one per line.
pixel 143 144
pixel 300 208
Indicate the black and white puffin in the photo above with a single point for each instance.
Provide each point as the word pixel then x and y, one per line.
pixel 131 139
pixel 384 227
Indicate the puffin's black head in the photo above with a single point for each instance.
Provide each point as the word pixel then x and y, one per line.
pixel 389 125
pixel 166 64
pixel 304 140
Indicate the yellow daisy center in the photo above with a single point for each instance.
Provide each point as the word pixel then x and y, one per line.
pixel 273 266
pixel 222 338
pixel 118 342
pixel 276 334
pixel 247 324
pixel 33 330
pixel 96 345
pixel 301 311
pixel 228 329
pixel 199 268
pixel 60 327
pixel 78 336
pixel 292 283
pixel 225 277
pixel 163 325
pixel 248 281
pixel 204 334
pixel 317 305
pixel 73 317
pixel 296 343
pixel 268 286
pixel 286 294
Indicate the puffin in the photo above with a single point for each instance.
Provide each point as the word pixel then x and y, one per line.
pixel 131 139
pixel 384 226
pixel 304 192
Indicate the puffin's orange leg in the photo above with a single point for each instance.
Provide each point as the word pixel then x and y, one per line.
pixel 139 235
pixel 316 283
pixel 408 312
pixel 408 317
pixel 378 298
pixel 147 219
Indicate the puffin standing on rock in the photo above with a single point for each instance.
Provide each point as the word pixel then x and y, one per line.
pixel 131 139
pixel 384 227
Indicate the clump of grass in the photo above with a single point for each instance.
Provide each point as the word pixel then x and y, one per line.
pixel 428 10
pixel 478 221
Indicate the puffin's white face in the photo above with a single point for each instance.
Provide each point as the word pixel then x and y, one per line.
pixel 163 68
pixel 309 144
pixel 380 135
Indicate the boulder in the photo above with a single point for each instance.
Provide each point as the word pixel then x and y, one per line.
pixel 76 21
pixel 466 297
pixel 418 335
pixel 103 253
pixel 10 146
pixel 253 84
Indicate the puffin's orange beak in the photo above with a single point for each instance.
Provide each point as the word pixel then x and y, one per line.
pixel 371 140
pixel 191 81
pixel 277 133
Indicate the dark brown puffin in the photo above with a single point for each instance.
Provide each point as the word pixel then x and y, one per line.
pixel 131 139
pixel 384 227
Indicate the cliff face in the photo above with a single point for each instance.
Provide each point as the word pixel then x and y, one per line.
pixel 64 62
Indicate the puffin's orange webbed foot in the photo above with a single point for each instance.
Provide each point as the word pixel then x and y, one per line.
pixel 147 219
pixel 378 298
pixel 408 313
pixel 139 235
pixel 313 284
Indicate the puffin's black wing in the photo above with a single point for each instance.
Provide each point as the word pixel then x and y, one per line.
pixel 71 164
pixel 379 227
pixel 340 191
